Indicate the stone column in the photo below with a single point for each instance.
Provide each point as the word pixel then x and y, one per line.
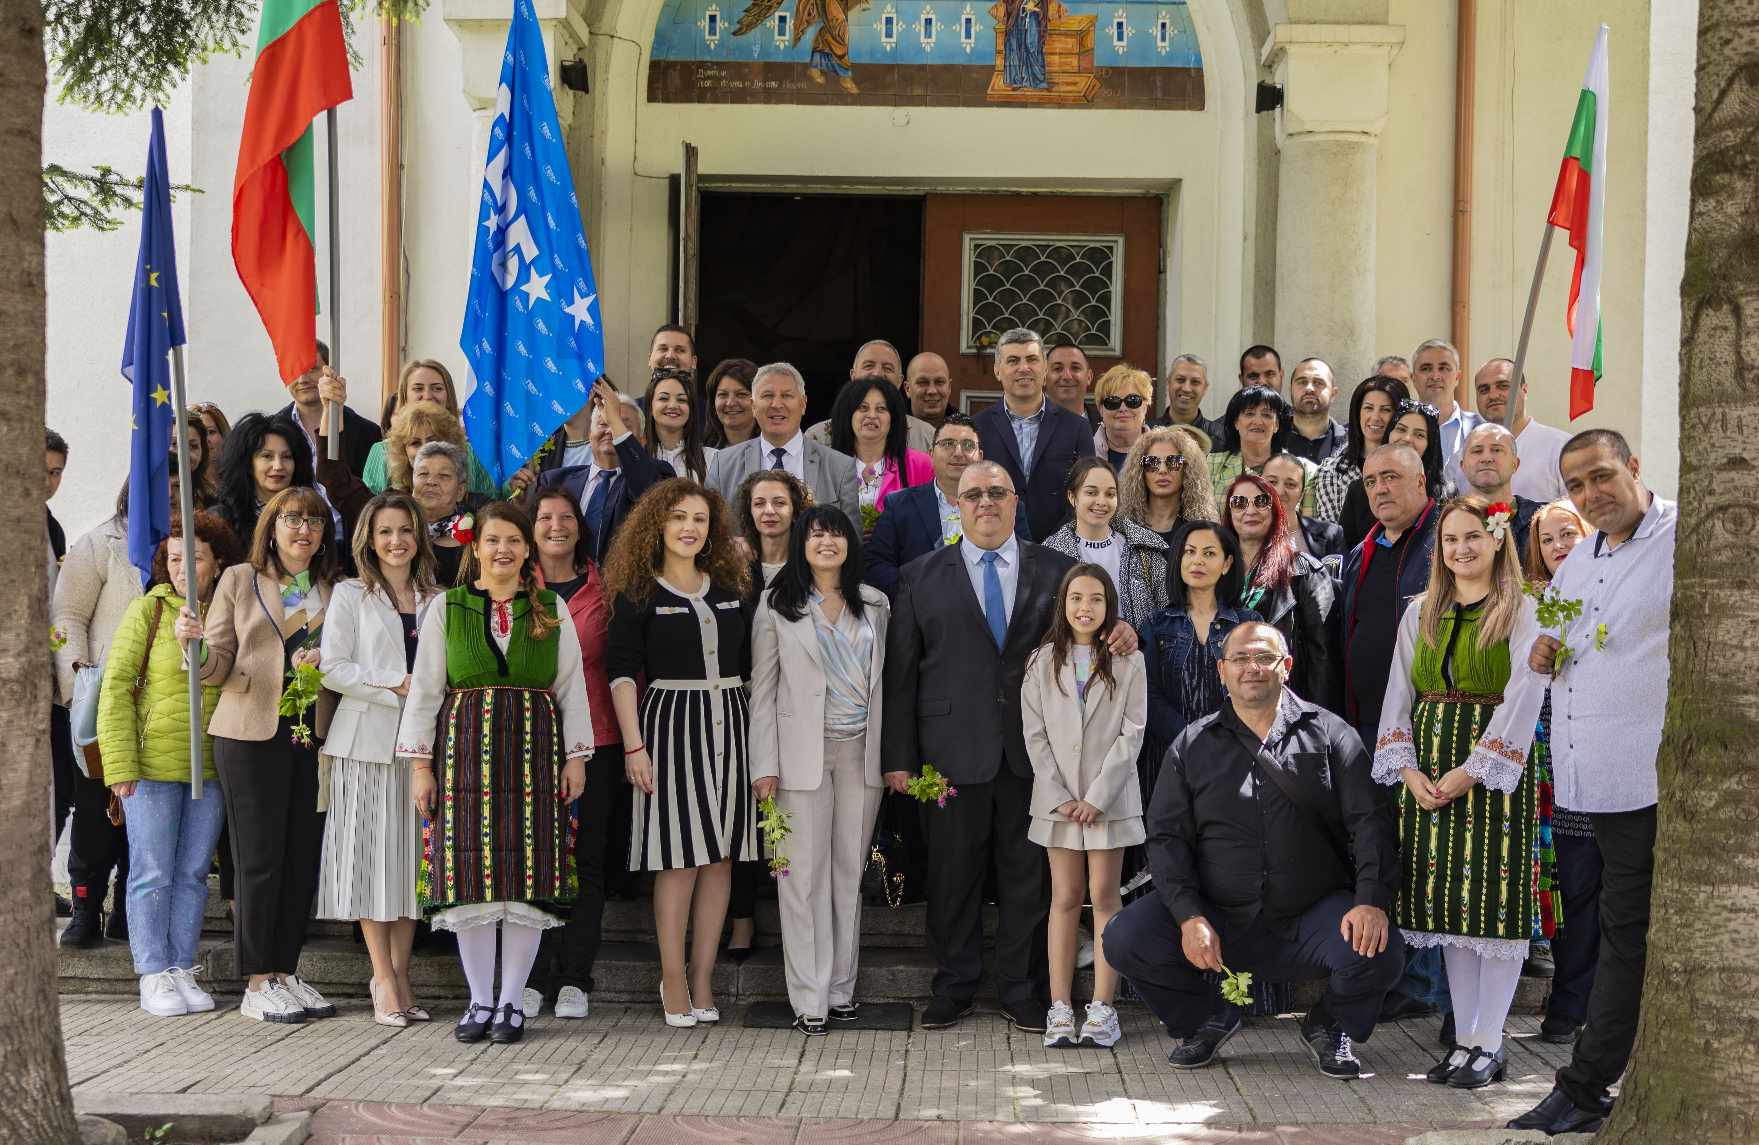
pixel 1335 80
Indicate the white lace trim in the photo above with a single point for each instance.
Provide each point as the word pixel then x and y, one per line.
pixel 477 914
pixel 1493 770
pixel 1485 947
pixel 1391 760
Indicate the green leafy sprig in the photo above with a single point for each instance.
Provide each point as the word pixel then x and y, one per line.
pixel 1557 611
pixel 775 823
pixel 304 683
pixel 1237 988
pixel 870 516
pixel 931 787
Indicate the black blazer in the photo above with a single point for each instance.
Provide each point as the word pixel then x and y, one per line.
pixel 952 699
pixel 1324 539
pixel 637 472
pixel 358 437
pixel 909 528
pixel 1063 438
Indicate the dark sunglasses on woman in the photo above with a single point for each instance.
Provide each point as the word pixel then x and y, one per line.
pixel 1128 401
pixel 1257 501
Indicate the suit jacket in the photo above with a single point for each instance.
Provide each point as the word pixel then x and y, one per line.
pixel 248 658
pixel 1324 538
pixel 1085 749
pixel 953 699
pixel 1063 438
pixel 363 659
pixel 829 474
pixel 637 472
pixel 358 436
pixel 788 695
pixel 909 527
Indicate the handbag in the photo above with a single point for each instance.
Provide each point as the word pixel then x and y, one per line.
pixel 94 760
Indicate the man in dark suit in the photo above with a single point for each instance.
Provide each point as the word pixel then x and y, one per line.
pixel 310 391
pixel 922 518
pixel 965 620
pixel 1033 438
pixel 620 471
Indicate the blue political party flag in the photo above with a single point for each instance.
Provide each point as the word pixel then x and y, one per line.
pixel 155 324
pixel 531 331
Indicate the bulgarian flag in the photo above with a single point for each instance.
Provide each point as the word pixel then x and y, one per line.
pixel 1579 206
pixel 301 70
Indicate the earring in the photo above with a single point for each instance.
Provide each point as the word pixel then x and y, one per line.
pixel 708 547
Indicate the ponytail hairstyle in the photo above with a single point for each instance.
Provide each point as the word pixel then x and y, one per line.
pixel 543 621
pixel 1061 637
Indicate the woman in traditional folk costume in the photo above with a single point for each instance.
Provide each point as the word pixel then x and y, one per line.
pixel 498 731
pixel 1457 731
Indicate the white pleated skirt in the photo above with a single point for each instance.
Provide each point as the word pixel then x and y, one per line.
pixel 372 843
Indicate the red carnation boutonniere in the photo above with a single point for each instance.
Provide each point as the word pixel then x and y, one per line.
pixel 463 528
pixel 1497 518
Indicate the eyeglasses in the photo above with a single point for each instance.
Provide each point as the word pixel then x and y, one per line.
pixel 1412 406
pixel 1263 661
pixel 995 494
pixel 297 521
pixel 1172 463
pixel 1128 401
pixel 958 445
pixel 1257 501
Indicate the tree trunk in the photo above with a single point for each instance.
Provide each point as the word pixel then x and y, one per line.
pixel 33 1068
pixel 1694 1079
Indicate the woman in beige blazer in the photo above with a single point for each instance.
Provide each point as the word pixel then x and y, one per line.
pixel 1084 711
pixel 818 647
pixel 266 618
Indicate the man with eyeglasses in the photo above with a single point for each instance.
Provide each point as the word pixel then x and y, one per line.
pixel 1317 436
pixel 965 619
pixel 1271 853
pixel 922 518
pixel 1033 438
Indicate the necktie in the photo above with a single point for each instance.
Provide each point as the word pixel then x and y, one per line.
pixel 778 458
pixel 995 608
pixel 595 505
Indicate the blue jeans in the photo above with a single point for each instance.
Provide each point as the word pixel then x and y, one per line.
pixel 171 844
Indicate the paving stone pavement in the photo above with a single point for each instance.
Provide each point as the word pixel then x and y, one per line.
pixel 623 1077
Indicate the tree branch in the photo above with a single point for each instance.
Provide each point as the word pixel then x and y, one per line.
pixel 91 199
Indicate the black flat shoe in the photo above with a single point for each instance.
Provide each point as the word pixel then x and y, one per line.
pixel 1557 1114
pixel 943 1012
pixel 1558 1031
pixel 506 1031
pixel 1441 1071
pixel 1398 1007
pixel 1201 1048
pixel 470 1028
pixel 737 955
pixel 1481 1068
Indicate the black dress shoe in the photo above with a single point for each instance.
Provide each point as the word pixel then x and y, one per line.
pixel 943 1012
pixel 471 1028
pixel 847 1012
pixel 1482 1068
pixel 1398 1006
pixel 1201 1048
pixel 1441 1071
pixel 1558 1114
pixel 1447 1035
pixel 1540 963
pixel 1558 1031
pixel 1027 1016
pixel 737 955
pixel 506 1031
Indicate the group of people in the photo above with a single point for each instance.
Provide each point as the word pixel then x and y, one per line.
pixel 1289 674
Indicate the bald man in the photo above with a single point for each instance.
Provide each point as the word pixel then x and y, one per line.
pixel 928 383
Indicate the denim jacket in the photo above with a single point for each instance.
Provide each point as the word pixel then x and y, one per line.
pixel 1166 640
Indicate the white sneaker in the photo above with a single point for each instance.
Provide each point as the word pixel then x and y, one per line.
pixel 160 997
pixel 572 1002
pixel 314 1003
pixel 273 1002
pixel 1059 1026
pixel 1101 1027
pixel 533 1002
pixel 198 1000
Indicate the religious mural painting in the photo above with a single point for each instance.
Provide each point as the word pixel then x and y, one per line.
pixel 928 53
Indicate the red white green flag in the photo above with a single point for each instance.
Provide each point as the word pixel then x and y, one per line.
pixel 1579 206
pixel 301 70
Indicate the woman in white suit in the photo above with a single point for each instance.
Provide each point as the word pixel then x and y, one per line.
pixel 372 837
pixel 818 646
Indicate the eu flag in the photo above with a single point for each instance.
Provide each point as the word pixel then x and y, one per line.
pixel 531 321
pixel 155 324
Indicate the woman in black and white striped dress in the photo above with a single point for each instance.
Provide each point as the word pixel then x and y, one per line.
pixel 372 835
pixel 677 582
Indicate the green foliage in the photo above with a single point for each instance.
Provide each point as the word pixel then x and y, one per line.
pixel 931 787
pixel 1237 988
pixel 303 685
pixel 775 824
pixel 157 1136
pixel 93 199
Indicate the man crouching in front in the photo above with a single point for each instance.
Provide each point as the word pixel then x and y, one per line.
pixel 1271 852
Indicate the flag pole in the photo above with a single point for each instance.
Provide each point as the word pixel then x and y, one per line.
pixel 1517 399
pixel 335 435
pixel 186 513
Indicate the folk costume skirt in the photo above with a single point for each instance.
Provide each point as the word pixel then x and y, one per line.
pixel 1469 873
pixel 701 811
pixel 499 832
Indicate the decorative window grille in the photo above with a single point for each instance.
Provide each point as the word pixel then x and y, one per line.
pixel 1062 286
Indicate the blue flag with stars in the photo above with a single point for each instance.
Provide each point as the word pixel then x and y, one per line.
pixel 155 324
pixel 531 321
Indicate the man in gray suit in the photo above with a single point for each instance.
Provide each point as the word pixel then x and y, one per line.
pixel 778 400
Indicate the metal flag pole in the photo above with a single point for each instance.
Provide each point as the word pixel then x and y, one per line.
pixel 1517 401
pixel 335 448
pixel 186 514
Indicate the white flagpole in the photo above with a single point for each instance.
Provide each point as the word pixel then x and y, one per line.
pixel 335 411
pixel 186 512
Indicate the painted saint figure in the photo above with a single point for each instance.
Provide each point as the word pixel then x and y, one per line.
pixel 830 45
pixel 1023 48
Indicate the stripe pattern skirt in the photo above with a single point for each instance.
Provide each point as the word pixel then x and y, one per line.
pixel 372 843
pixel 701 811
pixel 499 832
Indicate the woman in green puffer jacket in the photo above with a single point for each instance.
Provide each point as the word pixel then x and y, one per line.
pixel 144 738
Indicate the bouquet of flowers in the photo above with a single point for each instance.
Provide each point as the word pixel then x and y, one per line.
pixel 775 824
pixel 870 516
pixel 303 685
pixel 57 639
pixel 931 787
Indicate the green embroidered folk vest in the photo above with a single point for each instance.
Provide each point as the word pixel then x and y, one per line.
pixel 473 660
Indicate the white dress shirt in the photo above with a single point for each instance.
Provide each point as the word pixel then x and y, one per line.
pixel 1540 448
pixel 793 454
pixel 1007 568
pixel 1608 703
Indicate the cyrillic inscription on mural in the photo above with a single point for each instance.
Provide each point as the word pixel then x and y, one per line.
pixel 928 53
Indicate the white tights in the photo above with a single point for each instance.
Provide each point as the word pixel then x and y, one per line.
pixel 1482 989
pixel 476 949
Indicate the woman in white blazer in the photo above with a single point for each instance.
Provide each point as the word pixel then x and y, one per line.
pixel 818 647
pixel 1084 712
pixel 372 835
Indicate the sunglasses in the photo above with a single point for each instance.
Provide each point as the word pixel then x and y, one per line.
pixel 1257 501
pixel 1172 463
pixel 1128 401
pixel 995 494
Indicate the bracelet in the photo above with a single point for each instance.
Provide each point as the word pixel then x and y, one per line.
pixel 636 748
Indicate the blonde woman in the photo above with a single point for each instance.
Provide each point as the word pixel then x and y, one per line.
pixel 416 424
pixel 1124 395
pixel 423 380
pixel 1165 482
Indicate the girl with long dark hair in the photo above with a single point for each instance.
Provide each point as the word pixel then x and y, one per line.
pixel 264 454
pixel 1418 425
pixel 871 423
pixel 1287 587
pixel 726 403
pixel 1372 408
pixel 1133 557
pixel 671 408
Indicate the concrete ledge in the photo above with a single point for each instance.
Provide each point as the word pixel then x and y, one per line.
pixel 282 1129
pixel 196 1117
pixel 1480 1137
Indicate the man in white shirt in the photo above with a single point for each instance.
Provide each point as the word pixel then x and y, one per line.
pixel 1435 371
pixel 1609 700
pixel 1538 446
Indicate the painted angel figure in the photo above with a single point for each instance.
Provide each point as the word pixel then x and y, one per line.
pixel 830 46
pixel 1023 46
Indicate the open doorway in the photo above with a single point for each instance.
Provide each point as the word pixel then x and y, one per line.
pixel 806 279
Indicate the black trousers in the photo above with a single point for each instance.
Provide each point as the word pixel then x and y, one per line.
pixel 1627 852
pixel 1576 947
pixel 601 851
pixel 271 789
pixel 983 829
pixel 748 877
pixel 95 847
pixel 1143 943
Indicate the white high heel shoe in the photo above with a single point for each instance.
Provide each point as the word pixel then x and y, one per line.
pixel 705 1016
pixel 676 1021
